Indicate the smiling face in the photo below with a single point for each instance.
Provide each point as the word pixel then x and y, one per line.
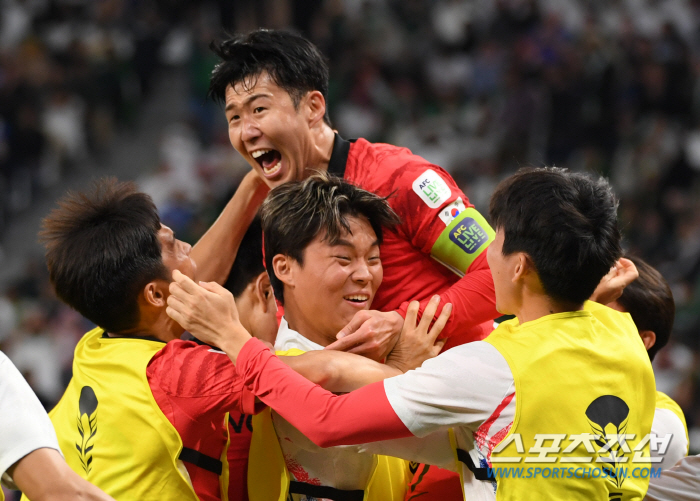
pixel 265 127
pixel 334 282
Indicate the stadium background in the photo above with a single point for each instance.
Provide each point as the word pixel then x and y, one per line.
pixel 117 87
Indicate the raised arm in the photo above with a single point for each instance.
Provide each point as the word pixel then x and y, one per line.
pixel 215 252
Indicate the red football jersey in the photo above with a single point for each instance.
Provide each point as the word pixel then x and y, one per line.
pixel 441 236
pixel 195 385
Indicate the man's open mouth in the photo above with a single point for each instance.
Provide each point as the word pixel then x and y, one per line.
pixel 269 160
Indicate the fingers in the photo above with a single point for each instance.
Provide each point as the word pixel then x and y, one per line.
pixel 441 321
pixel 176 315
pixel 429 313
pixel 412 314
pixel 438 346
pixel 357 321
pixel 350 341
pixel 185 282
pixel 214 287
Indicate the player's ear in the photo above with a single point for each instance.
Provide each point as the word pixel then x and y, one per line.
pixel 648 338
pixel 282 268
pixel 263 291
pixel 156 293
pixel 522 266
pixel 315 105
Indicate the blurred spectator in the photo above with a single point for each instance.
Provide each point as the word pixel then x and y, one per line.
pixel 480 87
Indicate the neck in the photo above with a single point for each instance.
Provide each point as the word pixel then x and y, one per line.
pixel 307 328
pixel 321 148
pixel 536 305
pixel 153 324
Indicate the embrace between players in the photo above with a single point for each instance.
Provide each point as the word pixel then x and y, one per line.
pixel 369 250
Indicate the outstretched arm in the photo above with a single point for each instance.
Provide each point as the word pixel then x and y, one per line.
pixel 215 252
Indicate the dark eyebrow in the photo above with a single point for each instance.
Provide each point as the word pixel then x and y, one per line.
pixel 247 101
pixel 345 243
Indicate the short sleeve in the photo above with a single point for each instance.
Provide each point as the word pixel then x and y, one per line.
pixel 24 424
pixel 461 387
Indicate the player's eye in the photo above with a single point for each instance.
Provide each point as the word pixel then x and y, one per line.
pixel 234 117
pixel 345 259
pixel 258 109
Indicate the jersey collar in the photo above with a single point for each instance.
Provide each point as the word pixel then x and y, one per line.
pixel 339 156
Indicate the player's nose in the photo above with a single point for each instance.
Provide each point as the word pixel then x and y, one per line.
pixel 250 131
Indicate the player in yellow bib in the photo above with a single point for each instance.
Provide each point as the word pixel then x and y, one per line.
pixel 560 399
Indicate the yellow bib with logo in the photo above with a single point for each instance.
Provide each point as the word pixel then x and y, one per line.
pixel 269 479
pixel 110 428
pixel 582 380
pixel 663 401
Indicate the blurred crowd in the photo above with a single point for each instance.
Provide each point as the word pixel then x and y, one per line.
pixel 478 87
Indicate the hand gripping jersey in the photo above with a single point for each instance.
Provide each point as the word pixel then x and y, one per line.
pixel 270 479
pixel 438 248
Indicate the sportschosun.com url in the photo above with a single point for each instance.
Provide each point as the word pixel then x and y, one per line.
pixel 570 472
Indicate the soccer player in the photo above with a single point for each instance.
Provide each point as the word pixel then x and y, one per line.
pixel 322 239
pixel 144 414
pixel 274 86
pixel 538 389
pixel 650 303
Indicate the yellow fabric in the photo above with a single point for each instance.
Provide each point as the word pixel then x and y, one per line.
pixel 663 401
pixel 122 443
pixel 224 477
pixel 268 478
pixel 561 364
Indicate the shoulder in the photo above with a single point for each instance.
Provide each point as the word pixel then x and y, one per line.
pixel 379 165
pixel 187 368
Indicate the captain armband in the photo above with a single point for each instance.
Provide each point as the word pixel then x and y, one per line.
pixel 464 239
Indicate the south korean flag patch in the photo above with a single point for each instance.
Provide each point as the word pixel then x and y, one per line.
pixel 451 211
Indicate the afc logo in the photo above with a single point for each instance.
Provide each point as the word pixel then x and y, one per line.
pixel 432 189
pixel 468 235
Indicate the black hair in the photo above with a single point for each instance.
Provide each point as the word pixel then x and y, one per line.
pixel 294 64
pixel 102 249
pixel 650 303
pixel 565 222
pixel 248 264
pixel 294 214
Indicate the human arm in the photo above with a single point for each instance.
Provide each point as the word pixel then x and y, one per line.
pixel 216 250
pixel 680 483
pixel 207 310
pixel 43 475
pixel 341 372
pixel 460 387
pixel 613 284
pixel 29 451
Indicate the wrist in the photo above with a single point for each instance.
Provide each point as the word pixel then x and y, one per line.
pixel 233 341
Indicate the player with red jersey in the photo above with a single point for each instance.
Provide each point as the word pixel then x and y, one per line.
pixel 274 87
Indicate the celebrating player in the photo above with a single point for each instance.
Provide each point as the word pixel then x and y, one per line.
pixel 274 86
pixel 540 388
